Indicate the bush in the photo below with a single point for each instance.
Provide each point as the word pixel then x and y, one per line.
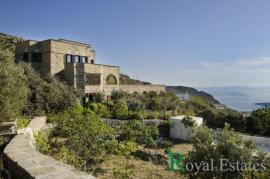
pixel 92 106
pixel 69 157
pixel 259 122
pixel 103 111
pixel 120 110
pixel 42 143
pixel 227 145
pixel 66 120
pixel 121 173
pixel 22 122
pixel 87 136
pixel 98 97
pixel 127 147
pixel 138 132
pixel 134 104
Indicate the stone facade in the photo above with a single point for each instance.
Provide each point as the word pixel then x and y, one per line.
pixel 74 62
pixel 53 54
pixel 78 75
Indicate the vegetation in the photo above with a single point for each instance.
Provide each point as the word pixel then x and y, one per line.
pixel 22 122
pixel 126 80
pixel 46 94
pixel 187 92
pixel 226 145
pixel 259 122
pixel 42 142
pixel 88 141
pixel 25 92
pixel 13 91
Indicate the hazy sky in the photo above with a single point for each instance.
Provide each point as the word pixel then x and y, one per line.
pixel 197 43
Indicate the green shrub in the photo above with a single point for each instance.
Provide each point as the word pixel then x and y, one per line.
pixel 42 143
pixel 103 111
pixel 121 173
pixel 152 115
pixel 127 147
pixel 228 145
pixel 92 106
pixel 120 110
pixel 98 97
pixel 259 122
pixel 22 122
pixel 135 115
pixel 88 137
pixel 2 141
pixel 138 132
pixel 68 156
pixel 66 121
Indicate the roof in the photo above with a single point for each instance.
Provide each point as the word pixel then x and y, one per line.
pixel 73 42
pixel 62 40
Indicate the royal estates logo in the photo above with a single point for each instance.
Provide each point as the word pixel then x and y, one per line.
pixel 222 165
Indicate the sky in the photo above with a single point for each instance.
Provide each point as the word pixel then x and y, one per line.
pixel 209 43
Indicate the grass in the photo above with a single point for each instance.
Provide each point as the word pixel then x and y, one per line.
pixel 139 168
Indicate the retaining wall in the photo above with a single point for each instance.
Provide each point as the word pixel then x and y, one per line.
pixel 24 161
pixel 142 88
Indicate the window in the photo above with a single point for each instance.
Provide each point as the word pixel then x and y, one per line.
pixel 92 61
pixel 36 57
pixel 25 56
pixel 111 80
pixel 68 58
pixel 92 79
pixel 76 59
pixel 84 59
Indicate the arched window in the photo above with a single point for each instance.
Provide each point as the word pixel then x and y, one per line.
pixel 111 80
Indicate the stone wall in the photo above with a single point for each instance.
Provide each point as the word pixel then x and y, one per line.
pixel 24 161
pixel 59 48
pixel 142 88
pixel 104 71
pixel 31 46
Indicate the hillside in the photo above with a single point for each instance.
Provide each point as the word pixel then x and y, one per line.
pixel 182 91
pixel 186 92
pixel 126 80
pixel 7 42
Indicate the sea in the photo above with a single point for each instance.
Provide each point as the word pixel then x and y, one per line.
pixel 240 98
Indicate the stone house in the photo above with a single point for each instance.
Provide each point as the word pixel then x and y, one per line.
pixel 74 62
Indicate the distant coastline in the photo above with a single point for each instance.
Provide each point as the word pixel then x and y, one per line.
pixel 240 98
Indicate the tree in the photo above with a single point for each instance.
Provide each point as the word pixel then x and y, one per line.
pixel 227 145
pixel 169 101
pixel 13 90
pixel 47 94
pixel 259 122
pixel 134 104
pixel 189 123
pixel 89 139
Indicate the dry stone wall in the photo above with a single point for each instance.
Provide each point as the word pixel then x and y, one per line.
pixel 24 161
pixel 142 88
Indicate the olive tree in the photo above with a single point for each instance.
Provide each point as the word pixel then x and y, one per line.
pixel 227 146
pixel 13 90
